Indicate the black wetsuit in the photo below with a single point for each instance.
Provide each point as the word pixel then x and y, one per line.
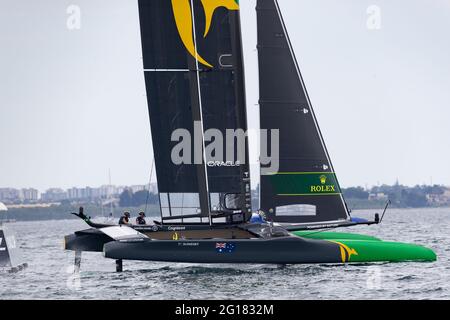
pixel 140 220
pixel 123 220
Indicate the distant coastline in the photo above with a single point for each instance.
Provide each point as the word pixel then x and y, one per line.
pixel 357 198
pixel 358 204
pixel 61 212
pixel 400 196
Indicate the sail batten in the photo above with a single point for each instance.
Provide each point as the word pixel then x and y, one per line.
pixel 306 175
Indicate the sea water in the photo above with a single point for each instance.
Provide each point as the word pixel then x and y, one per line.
pixel 50 273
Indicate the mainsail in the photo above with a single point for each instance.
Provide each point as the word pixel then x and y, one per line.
pixel 10 255
pixel 192 55
pixel 5 259
pixel 305 189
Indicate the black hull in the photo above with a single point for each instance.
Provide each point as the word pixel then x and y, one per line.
pixel 91 240
pixel 284 250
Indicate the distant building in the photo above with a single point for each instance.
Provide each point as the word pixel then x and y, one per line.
pixel 78 193
pixel 107 191
pixel 14 195
pixel 378 196
pixel 439 199
pixel 95 193
pixel 88 194
pixel 9 194
pixel 119 190
pixel 137 188
pixel 54 194
pixel 30 194
pixel 153 188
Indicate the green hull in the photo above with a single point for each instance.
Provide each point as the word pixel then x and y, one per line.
pixel 356 248
pixel 326 235
pixel 381 251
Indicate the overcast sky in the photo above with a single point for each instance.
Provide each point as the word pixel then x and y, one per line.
pixel 72 103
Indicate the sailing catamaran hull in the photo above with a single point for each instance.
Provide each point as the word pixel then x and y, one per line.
pixel 285 250
pixel 385 251
pixel 330 235
pixel 303 247
pixel 10 257
pixel 90 240
pixel 198 90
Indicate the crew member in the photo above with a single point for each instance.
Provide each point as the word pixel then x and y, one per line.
pixel 125 219
pixel 258 217
pixel 141 218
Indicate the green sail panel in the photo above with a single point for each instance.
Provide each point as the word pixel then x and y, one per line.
pixel 305 183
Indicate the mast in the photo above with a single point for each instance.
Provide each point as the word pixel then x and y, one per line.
pixel 202 173
pixel 305 189
pixel 241 109
pixel 110 195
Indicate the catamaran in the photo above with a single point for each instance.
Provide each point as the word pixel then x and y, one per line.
pixel 194 74
pixel 10 257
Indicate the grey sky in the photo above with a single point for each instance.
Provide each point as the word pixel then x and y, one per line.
pixel 72 103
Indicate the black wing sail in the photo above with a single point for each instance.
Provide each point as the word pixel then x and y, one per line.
pixel 5 259
pixel 219 42
pixel 305 188
pixel 194 77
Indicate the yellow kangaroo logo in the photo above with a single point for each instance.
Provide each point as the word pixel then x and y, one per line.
pixel 346 252
pixel 183 18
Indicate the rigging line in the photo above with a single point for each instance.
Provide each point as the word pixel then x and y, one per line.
pixel 149 184
pixel 182 203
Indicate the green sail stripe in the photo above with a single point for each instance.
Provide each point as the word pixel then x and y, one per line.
pixel 289 173
pixel 305 183
pixel 331 235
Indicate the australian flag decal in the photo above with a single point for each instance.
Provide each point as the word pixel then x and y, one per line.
pixel 225 247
